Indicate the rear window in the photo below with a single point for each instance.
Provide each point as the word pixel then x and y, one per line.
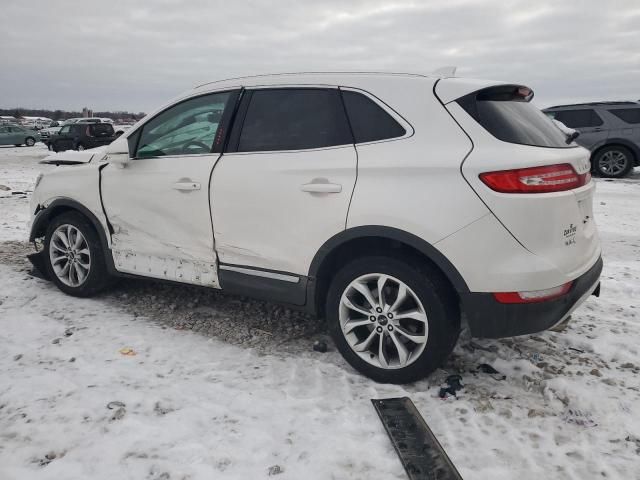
pixel 101 129
pixel 628 115
pixel 507 114
pixel 582 118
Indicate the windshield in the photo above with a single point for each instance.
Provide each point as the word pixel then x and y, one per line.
pixel 507 114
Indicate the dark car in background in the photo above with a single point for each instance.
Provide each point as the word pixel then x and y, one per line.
pixel 610 130
pixel 82 136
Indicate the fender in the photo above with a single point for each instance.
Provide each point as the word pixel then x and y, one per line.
pixel 390 233
pixel 40 222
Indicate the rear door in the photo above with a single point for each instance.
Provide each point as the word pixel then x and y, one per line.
pixel 284 186
pixel 158 204
pixel 511 134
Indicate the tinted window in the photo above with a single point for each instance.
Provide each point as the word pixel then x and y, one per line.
pixel 101 130
pixel 628 115
pixel 294 119
pixel 187 128
pixel 65 129
pixel 369 121
pixel 507 114
pixel 578 118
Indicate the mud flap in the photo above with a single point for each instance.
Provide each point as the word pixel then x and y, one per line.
pixel 40 271
pixel 422 456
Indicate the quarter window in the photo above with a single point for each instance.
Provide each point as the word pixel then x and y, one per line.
pixel 579 118
pixel 369 121
pixel 294 119
pixel 188 128
pixel 627 115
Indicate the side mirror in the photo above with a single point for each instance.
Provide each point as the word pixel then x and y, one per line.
pixel 118 152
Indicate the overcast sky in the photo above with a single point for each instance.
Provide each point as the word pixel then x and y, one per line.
pixel 128 55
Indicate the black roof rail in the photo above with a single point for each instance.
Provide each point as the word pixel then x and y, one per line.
pixel 593 104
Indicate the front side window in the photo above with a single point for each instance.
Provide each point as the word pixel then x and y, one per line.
pixel 65 129
pixel 369 121
pixel 627 115
pixel 188 128
pixel 294 119
pixel 582 118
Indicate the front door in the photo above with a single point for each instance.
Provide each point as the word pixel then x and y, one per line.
pixel 158 204
pixel 284 186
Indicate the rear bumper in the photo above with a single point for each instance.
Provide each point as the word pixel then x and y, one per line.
pixel 490 319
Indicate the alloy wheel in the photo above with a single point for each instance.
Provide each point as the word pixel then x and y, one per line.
pixel 612 162
pixel 383 321
pixel 69 255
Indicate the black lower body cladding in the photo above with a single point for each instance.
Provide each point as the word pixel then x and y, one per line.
pixel 490 319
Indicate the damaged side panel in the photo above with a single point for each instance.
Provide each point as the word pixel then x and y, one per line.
pixel 159 229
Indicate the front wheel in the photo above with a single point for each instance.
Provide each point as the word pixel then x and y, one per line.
pixel 392 321
pixel 613 162
pixel 80 147
pixel 74 257
pixel 30 141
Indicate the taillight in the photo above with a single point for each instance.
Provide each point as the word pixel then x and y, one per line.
pixel 550 178
pixel 533 296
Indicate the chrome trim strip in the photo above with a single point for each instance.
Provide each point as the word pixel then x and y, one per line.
pixel 261 273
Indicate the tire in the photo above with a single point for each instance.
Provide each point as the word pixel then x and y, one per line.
pixel 30 141
pixel 96 276
pixel 436 317
pixel 615 161
pixel 80 147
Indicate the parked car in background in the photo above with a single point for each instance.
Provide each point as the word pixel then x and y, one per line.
pixel 391 205
pixel 82 136
pixel 610 130
pixel 18 135
pixel 47 133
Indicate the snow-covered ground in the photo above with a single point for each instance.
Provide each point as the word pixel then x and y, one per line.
pixel 193 406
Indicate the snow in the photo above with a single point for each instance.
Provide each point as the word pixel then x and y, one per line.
pixel 199 408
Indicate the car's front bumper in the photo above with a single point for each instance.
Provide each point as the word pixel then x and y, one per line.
pixel 490 319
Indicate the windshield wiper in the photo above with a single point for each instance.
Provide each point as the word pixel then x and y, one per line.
pixel 572 136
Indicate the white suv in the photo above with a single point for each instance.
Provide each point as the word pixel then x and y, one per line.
pixel 395 206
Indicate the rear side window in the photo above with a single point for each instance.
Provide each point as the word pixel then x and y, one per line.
pixel 294 119
pixel 369 121
pixel 507 114
pixel 628 115
pixel 582 118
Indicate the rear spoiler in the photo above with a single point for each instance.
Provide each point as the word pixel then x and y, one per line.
pixel 71 157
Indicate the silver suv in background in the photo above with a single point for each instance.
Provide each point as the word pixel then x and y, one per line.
pixel 610 130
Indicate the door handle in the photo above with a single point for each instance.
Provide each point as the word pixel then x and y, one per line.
pixel 321 187
pixel 186 186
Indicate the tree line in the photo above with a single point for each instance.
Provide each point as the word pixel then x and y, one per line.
pixel 63 115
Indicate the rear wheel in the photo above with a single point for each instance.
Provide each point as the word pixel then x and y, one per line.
pixel 391 320
pixel 30 141
pixel 613 162
pixel 74 256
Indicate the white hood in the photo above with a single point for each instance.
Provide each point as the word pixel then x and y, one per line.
pixel 72 157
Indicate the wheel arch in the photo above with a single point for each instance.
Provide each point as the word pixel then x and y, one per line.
pixel 373 239
pixel 623 142
pixel 62 205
